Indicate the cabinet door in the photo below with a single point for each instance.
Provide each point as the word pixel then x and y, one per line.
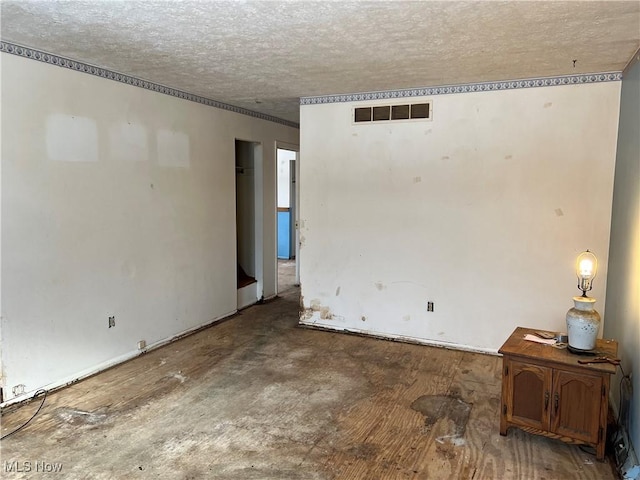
pixel 530 394
pixel 576 405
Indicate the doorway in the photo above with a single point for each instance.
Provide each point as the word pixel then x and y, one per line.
pixel 249 222
pixel 287 218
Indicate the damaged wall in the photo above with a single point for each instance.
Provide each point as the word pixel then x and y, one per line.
pixel 482 211
pixel 116 201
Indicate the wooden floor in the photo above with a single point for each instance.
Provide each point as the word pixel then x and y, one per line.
pixel 257 397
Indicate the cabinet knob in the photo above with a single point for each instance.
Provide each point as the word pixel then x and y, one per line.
pixel 556 399
pixel 546 401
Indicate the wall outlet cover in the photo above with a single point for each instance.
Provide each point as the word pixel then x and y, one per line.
pixel 18 390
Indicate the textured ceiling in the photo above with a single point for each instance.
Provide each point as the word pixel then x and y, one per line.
pixel 265 55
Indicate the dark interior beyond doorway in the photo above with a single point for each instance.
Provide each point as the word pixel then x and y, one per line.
pixel 245 213
pixel 243 278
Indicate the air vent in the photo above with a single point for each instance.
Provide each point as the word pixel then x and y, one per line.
pixel 384 113
pixel 363 114
pixel 400 112
pixel 381 113
pixel 421 110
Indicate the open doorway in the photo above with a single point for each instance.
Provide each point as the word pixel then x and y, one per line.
pixel 287 202
pixel 249 235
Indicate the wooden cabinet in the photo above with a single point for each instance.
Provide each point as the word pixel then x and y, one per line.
pixel 547 392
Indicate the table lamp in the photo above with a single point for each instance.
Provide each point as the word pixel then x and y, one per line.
pixel 583 322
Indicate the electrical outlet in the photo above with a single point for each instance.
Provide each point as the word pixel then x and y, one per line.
pixel 112 321
pixel 429 306
pixel 18 390
pixel 142 344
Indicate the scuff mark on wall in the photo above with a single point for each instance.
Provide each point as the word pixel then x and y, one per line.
pixel 337 291
pixel 380 286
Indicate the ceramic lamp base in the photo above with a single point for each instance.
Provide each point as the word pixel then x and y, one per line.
pixel 583 324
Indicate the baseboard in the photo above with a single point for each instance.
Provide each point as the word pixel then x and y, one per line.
pixel 398 338
pixel 84 374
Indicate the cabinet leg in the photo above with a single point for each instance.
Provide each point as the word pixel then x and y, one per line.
pixel 503 426
pixel 600 451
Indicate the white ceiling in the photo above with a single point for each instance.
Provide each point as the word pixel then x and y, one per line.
pixel 265 55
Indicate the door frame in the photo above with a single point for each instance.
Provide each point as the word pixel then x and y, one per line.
pixel 296 207
pixel 250 296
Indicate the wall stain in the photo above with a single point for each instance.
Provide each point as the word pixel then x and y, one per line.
pixel 337 291
pixel 548 104
pixel 316 306
pixel 380 286
pixel 508 157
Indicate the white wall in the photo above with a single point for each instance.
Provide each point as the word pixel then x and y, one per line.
pixel 284 176
pixel 482 211
pixel 115 201
pixel 623 284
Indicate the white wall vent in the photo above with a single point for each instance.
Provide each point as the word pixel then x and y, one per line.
pixel 385 113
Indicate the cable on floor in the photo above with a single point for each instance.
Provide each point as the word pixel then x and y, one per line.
pixel 38 392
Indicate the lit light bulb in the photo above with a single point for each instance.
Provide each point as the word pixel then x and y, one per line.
pixel 586 269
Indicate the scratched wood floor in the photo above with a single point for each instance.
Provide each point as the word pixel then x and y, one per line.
pixel 257 397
